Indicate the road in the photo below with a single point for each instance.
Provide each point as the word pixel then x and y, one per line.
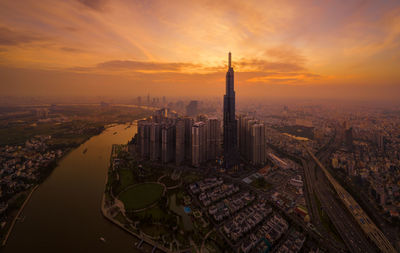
pixel 358 219
pixel 347 228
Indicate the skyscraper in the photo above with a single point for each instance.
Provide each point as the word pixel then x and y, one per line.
pixel 167 143
pixel 199 143
pixel 144 128
pixel 230 124
pixel 179 141
pixel 188 137
pixel 155 141
pixel 257 144
pixel 213 138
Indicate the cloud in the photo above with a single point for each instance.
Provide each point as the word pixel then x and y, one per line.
pixel 265 65
pixel 250 71
pixel 71 49
pixel 139 66
pixel 286 54
pixel 97 5
pixel 277 77
pixel 243 65
pixel 9 37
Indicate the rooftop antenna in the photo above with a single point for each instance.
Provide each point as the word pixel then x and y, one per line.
pixel 230 56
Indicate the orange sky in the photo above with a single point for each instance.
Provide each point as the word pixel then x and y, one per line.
pixel 280 48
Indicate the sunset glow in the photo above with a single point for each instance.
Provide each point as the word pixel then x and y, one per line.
pixel 179 47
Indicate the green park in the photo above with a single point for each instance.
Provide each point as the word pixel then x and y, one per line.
pixel 149 200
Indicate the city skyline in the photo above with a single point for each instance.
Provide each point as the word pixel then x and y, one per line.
pixel 283 49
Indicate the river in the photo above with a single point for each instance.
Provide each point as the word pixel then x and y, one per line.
pixel 64 214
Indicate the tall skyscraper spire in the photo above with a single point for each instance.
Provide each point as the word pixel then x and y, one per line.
pixel 230 123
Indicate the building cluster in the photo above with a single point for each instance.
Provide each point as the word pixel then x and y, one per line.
pixel 252 143
pixel 244 221
pixel 378 175
pixel 168 138
pixel 151 101
pixel 370 157
pixel 228 206
pixel 20 166
pixel 286 187
pixel 294 242
pixel 220 199
pixel 266 236
pixel 249 225
pixel 217 193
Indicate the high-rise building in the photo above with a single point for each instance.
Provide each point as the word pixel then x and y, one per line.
pixel 243 135
pixel 167 143
pixel 213 138
pixel 144 139
pixel 199 143
pixel 249 148
pixel 179 141
pixel 257 144
pixel 155 141
pixel 188 138
pixel 252 142
pixel 230 123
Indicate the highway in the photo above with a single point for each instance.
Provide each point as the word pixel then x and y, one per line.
pixel 348 228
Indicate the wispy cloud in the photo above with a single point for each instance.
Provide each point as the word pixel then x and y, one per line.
pixel 97 5
pixel 11 37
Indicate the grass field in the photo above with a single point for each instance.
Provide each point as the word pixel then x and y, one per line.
pixel 141 195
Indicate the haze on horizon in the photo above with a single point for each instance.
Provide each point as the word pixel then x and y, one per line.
pixel 312 49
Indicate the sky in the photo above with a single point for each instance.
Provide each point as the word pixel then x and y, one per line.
pixel 322 49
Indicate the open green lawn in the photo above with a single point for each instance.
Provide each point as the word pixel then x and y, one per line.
pixel 141 195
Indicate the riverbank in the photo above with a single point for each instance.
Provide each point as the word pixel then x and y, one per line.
pixel 106 215
pixel 71 194
pixel 106 212
pixel 17 215
pixel 43 175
